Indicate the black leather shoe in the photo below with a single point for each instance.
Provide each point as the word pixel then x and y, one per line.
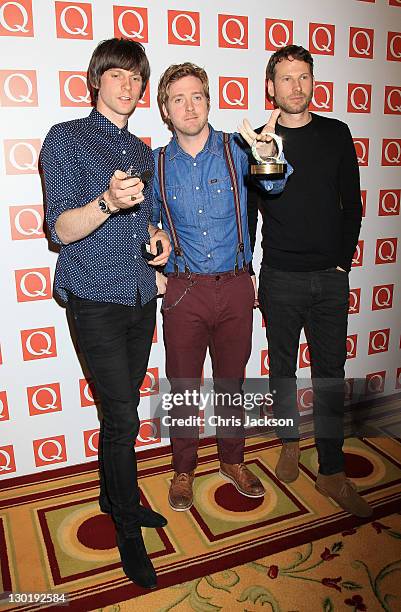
pixel 135 561
pixel 147 516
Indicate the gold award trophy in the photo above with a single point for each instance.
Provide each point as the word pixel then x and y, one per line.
pixel 271 166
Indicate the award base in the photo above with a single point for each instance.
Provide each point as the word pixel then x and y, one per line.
pixel 269 169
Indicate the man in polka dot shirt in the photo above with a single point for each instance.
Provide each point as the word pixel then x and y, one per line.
pixel 100 217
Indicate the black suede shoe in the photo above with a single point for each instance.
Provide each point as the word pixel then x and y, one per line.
pixel 147 516
pixel 135 561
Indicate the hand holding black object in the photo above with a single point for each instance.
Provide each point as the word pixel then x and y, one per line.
pixel 150 256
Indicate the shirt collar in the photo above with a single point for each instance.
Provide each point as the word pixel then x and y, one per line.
pixel 101 122
pixel 211 145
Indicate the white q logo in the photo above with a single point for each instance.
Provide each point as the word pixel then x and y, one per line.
pixel 304 356
pixel 91 445
pixel 353 306
pixel 80 77
pixel 395 202
pixel 397 158
pixel 362 157
pixel 382 346
pixel 7 466
pixel 282 43
pixel 395 109
pixel 52 405
pixel 37 229
pixel 88 394
pixel 305 398
pixel 364 105
pixel 44 351
pixel 38 292
pixel 393 52
pixel 63 20
pixel 364 50
pixel 152 436
pixel 387 299
pixel 186 37
pixel 234 41
pixel 21 97
pixel 132 33
pixel 350 347
pixel 375 383
pixel 149 389
pixel 329 40
pixel 236 101
pixel 390 256
pixel 323 103
pixel 56 457
pixel 16 27
pixel 357 258
pixel 2 410
pixel 26 165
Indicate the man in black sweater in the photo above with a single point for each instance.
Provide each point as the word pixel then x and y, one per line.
pixel 310 232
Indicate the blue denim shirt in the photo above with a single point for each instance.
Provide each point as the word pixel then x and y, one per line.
pixel 201 202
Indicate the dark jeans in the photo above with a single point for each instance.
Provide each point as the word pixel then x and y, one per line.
pixel 215 312
pixel 318 302
pixel 115 341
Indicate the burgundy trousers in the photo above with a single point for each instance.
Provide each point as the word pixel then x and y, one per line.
pixel 201 312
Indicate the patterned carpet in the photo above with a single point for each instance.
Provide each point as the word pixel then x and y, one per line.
pixel 53 537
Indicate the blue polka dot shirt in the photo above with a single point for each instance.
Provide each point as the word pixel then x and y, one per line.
pixel 78 159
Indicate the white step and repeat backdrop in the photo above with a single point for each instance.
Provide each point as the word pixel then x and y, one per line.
pixel 47 414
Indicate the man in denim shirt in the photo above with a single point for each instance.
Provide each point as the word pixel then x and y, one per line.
pixel 208 304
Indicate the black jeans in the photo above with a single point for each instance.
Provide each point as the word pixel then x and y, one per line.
pixel 318 302
pixel 115 341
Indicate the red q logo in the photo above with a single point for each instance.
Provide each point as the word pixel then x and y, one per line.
pixel 183 28
pixel 233 31
pixel 305 399
pixel 264 363
pixel 398 379
pixel 73 89
pixel 395 3
pixel 149 433
pixel 148 141
pixel 391 152
pixel 38 343
pixel 394 46
pixel 304 357
pixel 131 22
pixel 361 42
pixel 22 156
pixel 357 260
pixel 49 450
pixel 279 33
pixel 18 88
pixel 233 92
pixel 33 285
pixel 26 222
pixel 392 100
pixel 4 413
pixel 43 399
pixel 359 98
pixel 378 341
pixel 87 392
pixel 74 20
pixel 144 102
pixel 374 382
pixel 321 38
pixel 150 385
pixel 382 297
pixel 363 200
pixel 354 301
pixel 322 100
pixel 362 150
pixel 386 250
pixel 7 460
pixel 351 345
pixel 16 18
pixel 389 202
pixel 91 442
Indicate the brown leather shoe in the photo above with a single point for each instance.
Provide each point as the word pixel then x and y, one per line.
pixel 344 492
pixel 242 478
pixel 180 496
pixel 287 465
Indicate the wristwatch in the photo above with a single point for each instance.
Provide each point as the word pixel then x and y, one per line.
pixel 104 207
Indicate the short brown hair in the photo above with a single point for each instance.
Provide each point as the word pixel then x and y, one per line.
pixel 291 52
pixel 116 53
pixel 174 73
